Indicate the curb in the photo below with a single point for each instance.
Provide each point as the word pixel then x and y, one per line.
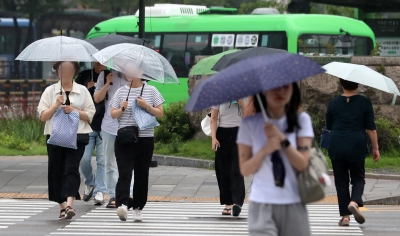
pixel 375 176
pixel 183 162
pixel 384 201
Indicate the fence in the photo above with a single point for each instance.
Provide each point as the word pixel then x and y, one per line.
pixel 24 92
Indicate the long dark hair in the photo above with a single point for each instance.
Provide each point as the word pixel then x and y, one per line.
pixel 291 108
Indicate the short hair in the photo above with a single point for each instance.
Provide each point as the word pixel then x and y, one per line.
pixel 348 85
pixel 57 65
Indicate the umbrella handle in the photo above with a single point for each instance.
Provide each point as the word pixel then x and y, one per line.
pixel 262 108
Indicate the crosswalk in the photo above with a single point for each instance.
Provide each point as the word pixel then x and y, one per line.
pixel 194 219
pixel 14 211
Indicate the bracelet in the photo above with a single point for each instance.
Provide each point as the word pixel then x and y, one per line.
pixel 148 108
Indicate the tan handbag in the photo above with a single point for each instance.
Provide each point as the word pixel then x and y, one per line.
pixel 311 182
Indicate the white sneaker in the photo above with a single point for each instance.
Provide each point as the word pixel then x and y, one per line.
pixel 137 215
pixel 99 199
pixel 122 212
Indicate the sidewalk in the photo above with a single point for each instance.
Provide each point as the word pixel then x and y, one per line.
pixel 26 177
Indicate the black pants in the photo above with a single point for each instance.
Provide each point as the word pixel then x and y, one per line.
pixel 230 181
pixel 135 157
pixel 341 169
pixel 63 172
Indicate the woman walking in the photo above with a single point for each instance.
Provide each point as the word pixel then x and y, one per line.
pixel 348 118
pixel 63 168
pixel 230 181
pixel 273 152
pixel 134 155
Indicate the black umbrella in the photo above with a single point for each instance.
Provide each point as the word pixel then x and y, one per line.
pixel 112 39
pixel 232 58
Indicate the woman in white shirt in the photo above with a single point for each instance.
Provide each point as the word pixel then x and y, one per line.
pixel 230 181
pixel 63 177
pixel 274 152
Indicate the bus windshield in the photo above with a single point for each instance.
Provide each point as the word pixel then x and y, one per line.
pixel 334 44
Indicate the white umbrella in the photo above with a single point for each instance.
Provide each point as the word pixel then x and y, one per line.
pixel 59 48
pixel 137 61
pixel 362 75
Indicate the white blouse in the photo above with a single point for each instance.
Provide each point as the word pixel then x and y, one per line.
pixel 80 99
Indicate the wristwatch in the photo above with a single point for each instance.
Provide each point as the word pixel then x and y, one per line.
pixel 285 143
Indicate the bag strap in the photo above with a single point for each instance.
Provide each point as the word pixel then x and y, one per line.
pixel 141 92
pixel 105 81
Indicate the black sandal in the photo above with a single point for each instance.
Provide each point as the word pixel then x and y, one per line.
pixel 225 212
pixel 111 204
pixel 62 216
pixel 70 212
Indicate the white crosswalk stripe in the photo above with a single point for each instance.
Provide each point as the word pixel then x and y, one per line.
pixel 194 219
pixel 14 211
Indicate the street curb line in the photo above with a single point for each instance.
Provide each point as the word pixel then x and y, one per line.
pixel 395 200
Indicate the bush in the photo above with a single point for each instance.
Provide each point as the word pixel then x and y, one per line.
pixel 13 142
pixel 25 126
pixel 174 125
pixel 388 133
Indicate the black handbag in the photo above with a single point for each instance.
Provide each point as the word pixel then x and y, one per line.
pixel 82 138
pixel 100 109
pixel 128 135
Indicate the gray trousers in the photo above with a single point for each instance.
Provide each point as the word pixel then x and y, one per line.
pixel 278 220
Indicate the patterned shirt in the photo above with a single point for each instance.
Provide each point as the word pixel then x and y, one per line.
pixel 150 94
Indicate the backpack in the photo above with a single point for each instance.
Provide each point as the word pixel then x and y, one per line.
pixel 100 109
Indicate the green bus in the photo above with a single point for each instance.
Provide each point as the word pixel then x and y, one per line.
pixel 181 32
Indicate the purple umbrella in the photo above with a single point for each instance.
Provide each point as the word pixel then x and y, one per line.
pixel 250 77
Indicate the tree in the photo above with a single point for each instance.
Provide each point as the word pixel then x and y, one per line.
pixel 246 8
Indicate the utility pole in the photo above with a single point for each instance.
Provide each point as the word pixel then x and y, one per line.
pixel 141 19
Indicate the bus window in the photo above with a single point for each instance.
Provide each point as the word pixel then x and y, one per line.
pixel 173 49
pixel 197 44
pixel 333 44
pixel 276 40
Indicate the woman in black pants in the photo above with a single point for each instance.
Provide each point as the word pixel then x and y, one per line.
pixel 134 156
pixel 230 181
pixel 63 177
pixel 348 118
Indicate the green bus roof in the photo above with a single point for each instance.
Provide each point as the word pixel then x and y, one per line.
pixel 293 24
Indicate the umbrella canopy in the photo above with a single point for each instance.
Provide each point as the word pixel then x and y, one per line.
pixel 112 39
pixel 137 61
pixel 250 77
pixel 59 48
pixel 362 75
pixel 232 58
pixel 203 67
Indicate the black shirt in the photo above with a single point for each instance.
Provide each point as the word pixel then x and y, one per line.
pixel 84 78
pixel 348 122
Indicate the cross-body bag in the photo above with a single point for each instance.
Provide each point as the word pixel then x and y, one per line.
pixel 128 135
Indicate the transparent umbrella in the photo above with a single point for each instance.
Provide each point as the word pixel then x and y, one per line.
pixel 59 48
pixel 137 61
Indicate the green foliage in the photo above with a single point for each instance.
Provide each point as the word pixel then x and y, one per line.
pixel 195 148
pixel 332 10
pixel 388 133
pixel 174 125
pixel 21 125
pixel 377 50
pixel 13 142
pixel 246 8
pixel 318 122
pixel 381 69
